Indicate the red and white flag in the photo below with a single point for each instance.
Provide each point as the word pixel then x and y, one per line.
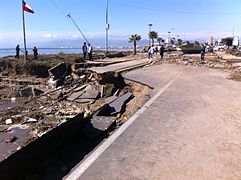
pixel 27 8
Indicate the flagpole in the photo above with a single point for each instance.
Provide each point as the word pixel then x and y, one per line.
pixel 24 35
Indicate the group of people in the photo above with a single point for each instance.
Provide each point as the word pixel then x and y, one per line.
pixel 152 50
pixel 35 52
pixel 87 49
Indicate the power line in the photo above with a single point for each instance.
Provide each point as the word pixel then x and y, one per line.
pixel 70 17
pixel 170 11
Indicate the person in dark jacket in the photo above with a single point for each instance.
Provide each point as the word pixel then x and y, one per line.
pixel 17 52
pixel 35 53
pixel 202 53
pixel 162 49
pixel 84 49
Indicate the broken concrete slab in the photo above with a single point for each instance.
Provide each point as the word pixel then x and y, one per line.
pixel 75 95
pixel 57 71
pixel 29 91
pixel 90 93
pixel 117 105
pixel 102 122
pixel 84 100
pixel 29 120
pixel 110 99
pixel 26 91
pixel 80 88
pixel 37 92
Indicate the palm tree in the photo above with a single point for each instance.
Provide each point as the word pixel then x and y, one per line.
pixel 153 35
pixel 159 39
pixel 134 38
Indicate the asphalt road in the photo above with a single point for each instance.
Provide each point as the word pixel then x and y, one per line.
pixel 191 129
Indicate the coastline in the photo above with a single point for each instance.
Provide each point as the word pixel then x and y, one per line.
pixel 4 52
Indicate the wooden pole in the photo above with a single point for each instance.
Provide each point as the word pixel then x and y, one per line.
pixel 24 35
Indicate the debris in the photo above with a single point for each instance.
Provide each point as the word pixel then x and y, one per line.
pixel 90 93
pixel 29 120
pixel 12 139
pixel 13 99
pixel 8 121
pixel 101 91
pixel 80 88
pixel 102 122
pixel 236 74
pixel 57 71
pixel 84 100
pixel 117 105
pixel 53 84
pixel 37 92
pixel 29 91
pixel 75 95
pixel 108 90
pixel 26 92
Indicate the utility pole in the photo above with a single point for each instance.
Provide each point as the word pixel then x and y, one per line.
pixel 107 27
pixel 150 25
pixel 70 17
pixel 24 35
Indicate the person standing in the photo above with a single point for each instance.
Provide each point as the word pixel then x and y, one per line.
pixel 202 53
pixel 162 49
pixel 84 49
pixel 17 52
pixel 90 51
pixel 150 54
pixel 35 53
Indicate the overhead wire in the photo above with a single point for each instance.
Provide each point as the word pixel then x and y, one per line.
pixel 170 11
pixel 70 18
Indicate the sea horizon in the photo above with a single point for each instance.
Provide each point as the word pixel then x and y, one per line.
pixel 50 50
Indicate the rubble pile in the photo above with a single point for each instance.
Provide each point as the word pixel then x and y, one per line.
pixel 234 52
pixel 37 109
pixel 211 61
pixel 236 74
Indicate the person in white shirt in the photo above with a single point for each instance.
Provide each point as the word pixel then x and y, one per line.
pixel 90 51
pixel 150 54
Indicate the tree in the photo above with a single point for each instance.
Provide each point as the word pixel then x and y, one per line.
pixel 153 35
pixel 159 40
pixel 134 38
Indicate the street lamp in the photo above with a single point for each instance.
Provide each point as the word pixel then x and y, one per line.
pixel 107 27
pixel 150 25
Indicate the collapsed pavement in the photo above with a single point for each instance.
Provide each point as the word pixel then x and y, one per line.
pixel 40 109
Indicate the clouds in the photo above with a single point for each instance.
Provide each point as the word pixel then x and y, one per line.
pixel 10 39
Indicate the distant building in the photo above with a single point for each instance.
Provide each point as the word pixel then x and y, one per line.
pixel 210 40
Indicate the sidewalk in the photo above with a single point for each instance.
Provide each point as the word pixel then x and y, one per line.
pixel 190 129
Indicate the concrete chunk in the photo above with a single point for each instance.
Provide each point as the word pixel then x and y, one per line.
pixel 75 95
pixel 90 93
pixel 117 105
pixel 58 71
pixel 102 122
pixel 84 100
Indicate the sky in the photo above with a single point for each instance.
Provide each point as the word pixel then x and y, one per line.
pixel 188 19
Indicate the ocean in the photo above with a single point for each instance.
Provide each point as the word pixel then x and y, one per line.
pixel 41 51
